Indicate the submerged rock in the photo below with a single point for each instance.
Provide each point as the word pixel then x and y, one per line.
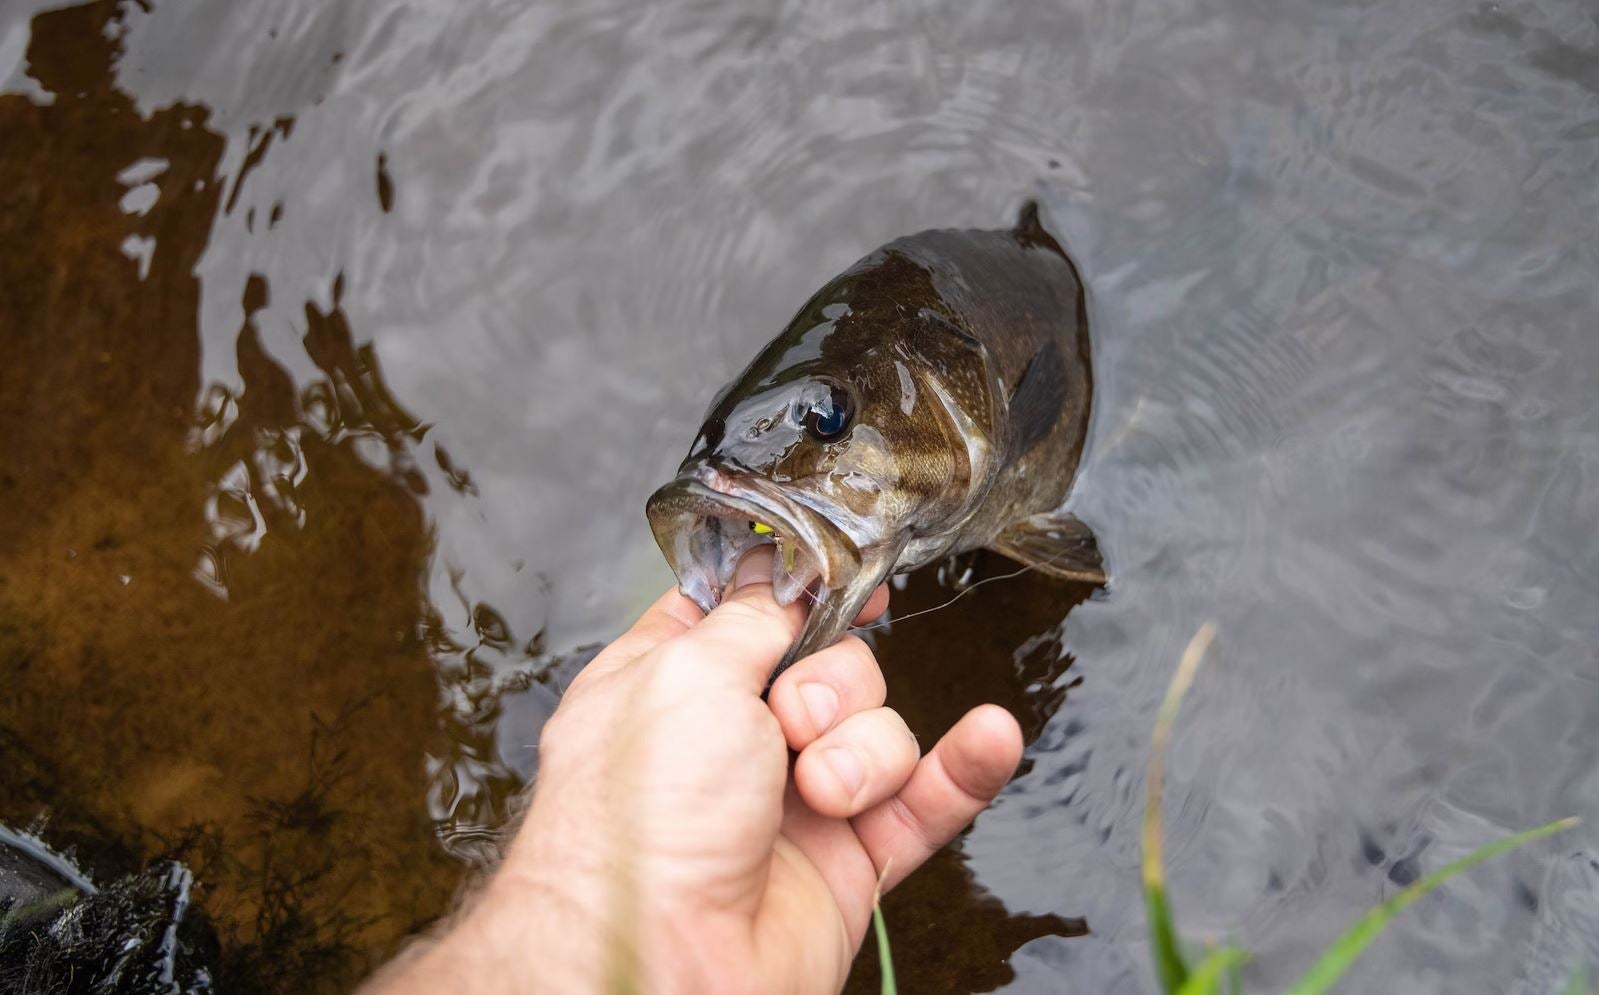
pixel 59 933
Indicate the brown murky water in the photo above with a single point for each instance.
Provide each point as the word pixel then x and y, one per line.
pixel 344 342
pixel 269 737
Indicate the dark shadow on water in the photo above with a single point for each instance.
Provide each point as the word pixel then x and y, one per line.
pixel 209 626
pixel 952 935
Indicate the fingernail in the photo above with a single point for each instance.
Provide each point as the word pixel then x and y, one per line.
pixel 847 768
pixel 755 567
pixel 821 704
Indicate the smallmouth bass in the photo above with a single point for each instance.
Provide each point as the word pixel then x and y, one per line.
pixel 930 400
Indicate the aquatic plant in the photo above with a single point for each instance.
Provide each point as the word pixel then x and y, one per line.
pixel 1222 962
pixel 1205 978
pixel 885 957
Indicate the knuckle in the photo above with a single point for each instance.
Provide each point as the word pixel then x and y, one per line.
pixel 761 623
pixel 757 725
pixel 909 748
pixel 913 824
pixel 848 667
pixel 861 665
pixel 882 736
pixel 968 784
pixel 752 603
pixel 675 658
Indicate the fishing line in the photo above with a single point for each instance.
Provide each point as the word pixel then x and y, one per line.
pixel 925 611
pixel 815 601
pixel 959 595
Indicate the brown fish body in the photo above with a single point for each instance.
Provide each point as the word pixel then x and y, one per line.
pixel 931 399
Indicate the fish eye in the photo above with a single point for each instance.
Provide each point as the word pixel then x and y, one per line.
pixel 829 417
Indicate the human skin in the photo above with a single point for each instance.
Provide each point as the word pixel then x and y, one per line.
pixel 671 846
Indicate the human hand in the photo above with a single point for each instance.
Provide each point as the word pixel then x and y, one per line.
pixel 670 847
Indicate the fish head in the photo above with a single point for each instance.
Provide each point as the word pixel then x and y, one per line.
pixel 860 429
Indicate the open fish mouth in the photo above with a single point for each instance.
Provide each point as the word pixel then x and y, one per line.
pixel 706 519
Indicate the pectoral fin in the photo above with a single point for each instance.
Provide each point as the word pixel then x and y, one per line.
pixel 1057 544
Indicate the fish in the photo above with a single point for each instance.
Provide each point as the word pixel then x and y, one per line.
pixel 930 400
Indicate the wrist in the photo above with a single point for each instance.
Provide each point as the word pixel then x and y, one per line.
pixel 538 935
pixel 589 927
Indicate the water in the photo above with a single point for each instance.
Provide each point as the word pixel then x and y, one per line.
pixel 344 343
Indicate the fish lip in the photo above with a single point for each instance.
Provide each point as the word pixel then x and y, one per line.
pixel 683 509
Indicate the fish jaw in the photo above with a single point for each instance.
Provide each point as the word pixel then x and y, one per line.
pixel 837 607
pixel 703 519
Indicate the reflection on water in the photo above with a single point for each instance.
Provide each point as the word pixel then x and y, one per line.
pixel 257 715
pixel 344 342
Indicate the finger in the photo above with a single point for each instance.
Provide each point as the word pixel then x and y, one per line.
pixel 874 608
pixel 831 847
pixel 669 617
pixel 867 758
pixel 825 688
pixel 748 633
pixel 947 790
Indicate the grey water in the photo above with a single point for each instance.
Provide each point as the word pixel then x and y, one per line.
pixel 1343 267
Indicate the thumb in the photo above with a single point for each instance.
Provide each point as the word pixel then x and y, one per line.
pixel 748 633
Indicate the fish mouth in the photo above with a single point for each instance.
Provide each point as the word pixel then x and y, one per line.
pixel 707 519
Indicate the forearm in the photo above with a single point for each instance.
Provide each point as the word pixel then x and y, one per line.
pixel 517 936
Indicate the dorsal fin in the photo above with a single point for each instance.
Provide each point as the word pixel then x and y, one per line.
pixel 1030 229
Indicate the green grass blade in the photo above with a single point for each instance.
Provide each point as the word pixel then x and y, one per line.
pixel 1341 955
pixel 46 906
pixel 1206 977
pixel 884 957
pixel 1577 984
pixel 1169 963
pixel 1235 974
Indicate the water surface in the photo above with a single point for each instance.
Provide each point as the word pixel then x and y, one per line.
pixel 344 343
